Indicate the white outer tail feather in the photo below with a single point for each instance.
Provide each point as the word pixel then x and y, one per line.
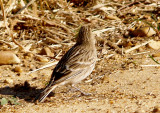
pixel 46 92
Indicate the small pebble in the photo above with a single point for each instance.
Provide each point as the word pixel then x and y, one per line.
pixel 154 45
pixel 8 57
pixel 18 69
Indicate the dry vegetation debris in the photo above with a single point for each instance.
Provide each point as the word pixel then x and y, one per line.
pixel 41 31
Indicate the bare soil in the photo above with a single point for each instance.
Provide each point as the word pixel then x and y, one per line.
pixel 133 90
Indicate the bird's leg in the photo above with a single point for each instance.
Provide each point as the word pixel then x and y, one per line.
pixel 82 92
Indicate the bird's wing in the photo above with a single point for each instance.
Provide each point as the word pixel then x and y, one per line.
pixel 72 64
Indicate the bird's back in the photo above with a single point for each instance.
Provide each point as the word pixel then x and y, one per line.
pixel 74 62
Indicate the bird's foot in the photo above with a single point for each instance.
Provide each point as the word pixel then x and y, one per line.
pixel 82 92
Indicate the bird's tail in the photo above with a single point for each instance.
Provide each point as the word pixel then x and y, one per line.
pixel 41 97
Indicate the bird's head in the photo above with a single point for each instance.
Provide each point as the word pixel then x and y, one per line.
pixel 85 36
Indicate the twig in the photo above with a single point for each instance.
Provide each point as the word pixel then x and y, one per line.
pixel 141 53
pixel 28 16
pixel 149 65
pixel 129 5
pixel 109 56
pixel 2 41
pixel 58 54
pixel 138 46
pixel 119 41
pixel 43 67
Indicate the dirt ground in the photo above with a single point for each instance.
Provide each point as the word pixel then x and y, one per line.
pixel 126 78
pixel 135 90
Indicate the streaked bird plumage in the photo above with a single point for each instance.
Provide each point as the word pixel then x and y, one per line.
pixel 75 65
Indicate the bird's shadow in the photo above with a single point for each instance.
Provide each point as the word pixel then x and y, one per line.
pixel 22 91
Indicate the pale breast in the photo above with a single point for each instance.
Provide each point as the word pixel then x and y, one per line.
pixel 85 73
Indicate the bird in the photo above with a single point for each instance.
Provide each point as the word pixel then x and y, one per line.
pixel 77 63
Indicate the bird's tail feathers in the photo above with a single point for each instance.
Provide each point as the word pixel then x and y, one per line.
pixel 41 97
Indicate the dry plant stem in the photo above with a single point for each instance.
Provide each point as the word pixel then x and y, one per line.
pixel 48 7
pixel 141 53
pixel 2 41
pixel 129 5
pixel 116 4
pixel 51 40
pixel 53 32
pixel 98 32
pixel 28 16
pixel 138 46
pixel 31 2
pixel 9 31
pixel 41 6
pixel 56 25
pixel 2 7
pixel 150 65
pixel 56 57
pixel 109 56
pixel 52 23
pixel 10 5
pixel 43 67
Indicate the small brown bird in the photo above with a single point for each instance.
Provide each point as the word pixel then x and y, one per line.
pixel 75 65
